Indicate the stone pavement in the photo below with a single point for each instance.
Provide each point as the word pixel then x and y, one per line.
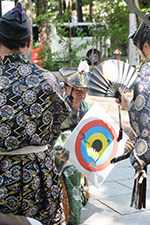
pixel 110 204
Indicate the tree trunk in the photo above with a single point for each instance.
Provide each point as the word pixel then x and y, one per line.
pixel 91 11
pixel 24 4
pixel 60 8
pixel 30 22
pixel 79 10
pixel 43 24
pixel 138 19
pixel 28 3
pixel 70 48
pixel 70 3
pixel 64 5
pixel 92 46
pixel 148 2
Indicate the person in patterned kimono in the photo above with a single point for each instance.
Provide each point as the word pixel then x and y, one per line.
pixel 139 114
pixel 31 113
pixel 75 88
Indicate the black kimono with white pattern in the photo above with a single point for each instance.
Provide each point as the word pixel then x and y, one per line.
pixel 31 113
pixel 139 113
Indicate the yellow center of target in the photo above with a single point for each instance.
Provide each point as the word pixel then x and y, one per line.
pixel 96 145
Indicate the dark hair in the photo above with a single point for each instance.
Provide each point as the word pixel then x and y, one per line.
pixel 14 44
pixel 67 85
pixel 142 34
pixel 144 37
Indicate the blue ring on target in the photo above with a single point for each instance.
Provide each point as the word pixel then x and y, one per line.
pixel 96 144
pixel 104 157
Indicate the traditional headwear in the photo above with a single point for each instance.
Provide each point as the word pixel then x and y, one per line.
pixel 14 24
pixel 76 77
pixel 136 34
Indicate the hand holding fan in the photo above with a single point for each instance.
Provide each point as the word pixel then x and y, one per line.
pixel 109 75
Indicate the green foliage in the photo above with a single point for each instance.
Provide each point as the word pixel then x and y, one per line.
pixel 53 61
pixel 144 4
pixel 67 15
pixel 68 57
pixel 48 59
pixel 42 16
pixel 114 14
pixel 145 10
pixel 35 44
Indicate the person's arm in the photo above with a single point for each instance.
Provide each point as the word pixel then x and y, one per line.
pixel 58 143
pixel 124 103
pixel 60 154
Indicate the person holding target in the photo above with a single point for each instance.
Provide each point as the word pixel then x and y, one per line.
pixel 75 88
pixel 139 110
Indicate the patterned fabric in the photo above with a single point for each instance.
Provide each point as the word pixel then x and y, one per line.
pixel 72 181
pixel 71 176
pixel 139 112
pixel 72 120
pixel 31 113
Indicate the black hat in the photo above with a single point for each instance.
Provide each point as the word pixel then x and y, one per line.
pixel 74 78
pixel 14 24
pixel 136 34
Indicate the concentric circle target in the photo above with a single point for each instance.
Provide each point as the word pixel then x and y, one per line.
pixel 95 145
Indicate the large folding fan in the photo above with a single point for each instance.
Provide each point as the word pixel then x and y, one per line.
pixel 109 75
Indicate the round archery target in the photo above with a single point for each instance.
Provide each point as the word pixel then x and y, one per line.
pixel 98 142
pixel 95 145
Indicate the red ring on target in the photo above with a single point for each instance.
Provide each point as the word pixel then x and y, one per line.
pixel 78 153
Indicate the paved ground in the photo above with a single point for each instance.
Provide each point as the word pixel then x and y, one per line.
pixel 110 204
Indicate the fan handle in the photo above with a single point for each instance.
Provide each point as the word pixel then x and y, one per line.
pixel 118 95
